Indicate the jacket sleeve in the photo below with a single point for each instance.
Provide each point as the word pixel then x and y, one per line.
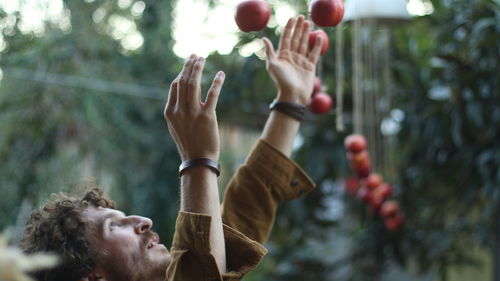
pixel 191 252
pixel 266 179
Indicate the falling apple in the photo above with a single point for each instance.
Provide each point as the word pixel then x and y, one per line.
pixel 319 33
pixel 355 143
pixel 320 103
pixel 252 15
pixel 326 12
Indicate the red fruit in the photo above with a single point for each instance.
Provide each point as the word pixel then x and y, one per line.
pixel 363 172
pixel 394 223
pixel 326 12
pixel 359 160
pixel 252 15
pixel 351 185
pixel 384 190
pixel 376 202
pixel 364 194
pixel 317 86
pixel 319 33
pixel 389 209
pixel 320 103
pixel 355 143
pixel 373 180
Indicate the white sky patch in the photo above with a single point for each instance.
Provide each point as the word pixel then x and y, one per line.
pixel 419 7
pixel 32 17
pixel 201 31
pixel 125 30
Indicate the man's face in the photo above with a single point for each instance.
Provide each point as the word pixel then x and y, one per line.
pixel 127 249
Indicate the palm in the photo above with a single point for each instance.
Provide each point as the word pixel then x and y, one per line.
pixel 293 73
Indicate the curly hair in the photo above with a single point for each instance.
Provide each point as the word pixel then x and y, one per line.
pixel 57 227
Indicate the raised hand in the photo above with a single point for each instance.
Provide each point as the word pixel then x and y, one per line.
pixel 192 123
pixel 293 66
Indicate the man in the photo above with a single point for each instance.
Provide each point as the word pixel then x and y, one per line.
pixel 97 242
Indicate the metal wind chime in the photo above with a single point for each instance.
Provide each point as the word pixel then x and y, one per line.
pixel 371 22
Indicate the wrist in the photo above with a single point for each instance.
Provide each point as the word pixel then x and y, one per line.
pixel 292 97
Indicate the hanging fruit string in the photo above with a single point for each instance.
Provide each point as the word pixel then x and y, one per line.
pixel 339 65
pixel 356 79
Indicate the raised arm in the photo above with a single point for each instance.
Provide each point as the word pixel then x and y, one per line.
pixel 193 126
pixel 292 67
pixel 268 176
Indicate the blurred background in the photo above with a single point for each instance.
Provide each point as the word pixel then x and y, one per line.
pixel 82 90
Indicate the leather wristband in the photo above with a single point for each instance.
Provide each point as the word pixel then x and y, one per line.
pixel 291 109
pixel 196 162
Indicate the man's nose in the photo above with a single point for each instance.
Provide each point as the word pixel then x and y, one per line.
pixel 142 224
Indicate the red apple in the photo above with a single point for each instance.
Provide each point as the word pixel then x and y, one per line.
pixel 320 103
pixel 319 33
pixel 317 86
pixel 376 202
pixel 358 159
pixel 394 223
pixel 326 12
pixel 364 194
pixel 373 180
pixel 389 208
pixel 351 185
pixel 383 190
pixel 355 143
pixel 252 15
pixel 363 172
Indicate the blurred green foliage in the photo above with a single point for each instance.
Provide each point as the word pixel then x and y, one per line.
pixel 448 148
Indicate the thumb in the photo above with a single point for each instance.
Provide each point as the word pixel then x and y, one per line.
pixel 270 54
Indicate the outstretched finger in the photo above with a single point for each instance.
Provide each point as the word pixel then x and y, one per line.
pixel 314 53
pixel 194 88
pixel 172 95
pixel 184 80
pixel 304 40
pixel 214 91
pixel 286 35
pixel 297 34
pixel 270 54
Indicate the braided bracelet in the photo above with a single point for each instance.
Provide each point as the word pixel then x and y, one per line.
pixel 197 162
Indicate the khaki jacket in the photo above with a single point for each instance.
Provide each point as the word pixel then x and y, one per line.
pixel 266 179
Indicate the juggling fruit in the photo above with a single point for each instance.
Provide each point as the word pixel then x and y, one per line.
pixel 319 33
pixel 355 143
pixel 252 15
pixel 326 12
pixel 320 103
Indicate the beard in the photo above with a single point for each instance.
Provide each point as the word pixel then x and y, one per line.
pixel 143 264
